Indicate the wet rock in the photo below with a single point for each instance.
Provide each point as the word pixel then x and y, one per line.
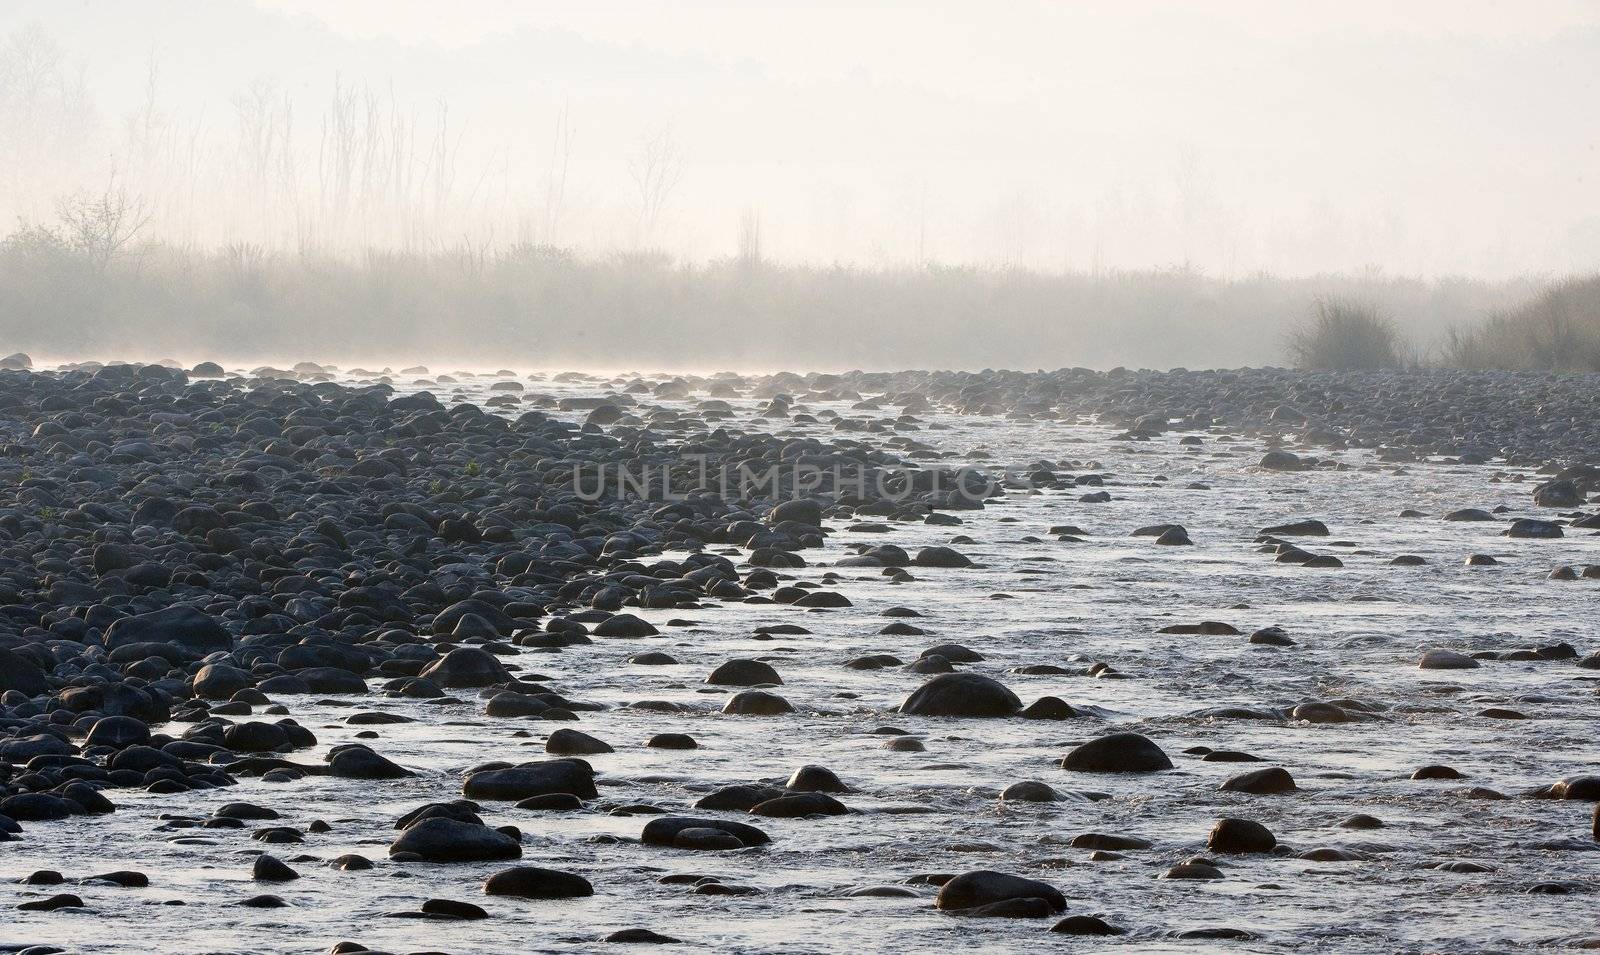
pixel 37 807
pixel 1271 637
pixel 1440 659
pixel 672 741
pixel 552 802
pixel 573 776
pixel 118 732
pixel 757 703
pixel 511 705
pixel 269 869
pixel 799 511
pixel 1558 493
pixel 1330 854
pixel 180 626
pixel 800 805
pixel 360 762
pixel 706 839
pixel 641 936
pixel 1586 788
pixel 531 882
pixel 466 667
pixel 20 674
pixel 815 779
pixel 452 909
pixel 1109 841
pixel 738 798
pixel 665 830
pixel 1174 536
pixel 1309 527
pixel 1084 925
pixel 123 878
pixel 1024 908
pixel 744 673
pixel 953 652
pixel 625 625
pixel 962 694
pixel 1049 708
pixel 570 742
pixel 931 665
pixel 940 557
pixel 1240 836
pixel 246 811
pixel 1530 528
pixel 984 887
pixel 1261 782
pixel 448 840
pixel 256 737
pixel 44 877
pixel 55 902
pixel 1223 932
pixel 1117 753
pixel 1030 791
pixel 1321 712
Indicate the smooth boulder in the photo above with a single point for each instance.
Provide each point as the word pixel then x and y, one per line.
pixel 962 694
pixel 1117 753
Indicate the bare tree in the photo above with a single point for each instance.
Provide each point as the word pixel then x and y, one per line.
pixel 265 122
pixel 103 227
pixel 46 118
pixel 555 186
pixel 443 158
pixel 336 160
pixel 750 239
pixel 656 168
pixel 922 223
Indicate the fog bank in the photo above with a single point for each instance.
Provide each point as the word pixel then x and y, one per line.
pixel 1231 137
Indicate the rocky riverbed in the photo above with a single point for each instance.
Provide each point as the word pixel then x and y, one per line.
pixel 312 659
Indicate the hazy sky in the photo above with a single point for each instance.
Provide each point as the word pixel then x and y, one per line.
pixel 1419 137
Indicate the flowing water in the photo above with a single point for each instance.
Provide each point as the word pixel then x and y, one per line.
pixel 1359 631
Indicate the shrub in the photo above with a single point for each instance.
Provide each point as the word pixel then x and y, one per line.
pixel 1346 335
pixel 1557 329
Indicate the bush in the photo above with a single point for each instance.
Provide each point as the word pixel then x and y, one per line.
pixel 1467 348
pixel 1558 329
pixel 1346 335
